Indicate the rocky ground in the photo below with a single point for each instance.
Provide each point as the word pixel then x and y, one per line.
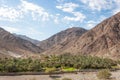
pixel 73 76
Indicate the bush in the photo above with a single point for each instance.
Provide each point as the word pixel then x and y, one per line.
pixel 104 74
pixel 50 70
pixel 68 69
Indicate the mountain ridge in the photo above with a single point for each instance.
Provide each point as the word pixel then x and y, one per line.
pixel 61 36
pixel 11 45
pixel 103 40
pixel 27 38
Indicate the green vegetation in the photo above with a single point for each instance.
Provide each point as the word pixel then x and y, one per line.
pixel 104 74
pixel 64 62
pixel 20 65
pixel 50 70
pixel 68 69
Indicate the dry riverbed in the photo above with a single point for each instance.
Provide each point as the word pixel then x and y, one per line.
pixel 73 76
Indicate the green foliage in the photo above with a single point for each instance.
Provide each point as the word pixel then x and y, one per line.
pixel 64 62
pixel 68 69
pixel 50 70
pixel 20 65
pixel 116 67
pixel 118 62
pixel 104 74
pixel 1 67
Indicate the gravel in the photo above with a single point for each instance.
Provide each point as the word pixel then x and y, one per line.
pixel 73 76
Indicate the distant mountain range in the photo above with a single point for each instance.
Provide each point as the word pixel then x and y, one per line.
pixel 27 38
pixel 103 40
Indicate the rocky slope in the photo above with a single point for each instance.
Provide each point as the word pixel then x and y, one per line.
pixel 62 37
pixel 11 45
pixel 103 40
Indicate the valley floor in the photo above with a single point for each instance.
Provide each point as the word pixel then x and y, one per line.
pixel 73 76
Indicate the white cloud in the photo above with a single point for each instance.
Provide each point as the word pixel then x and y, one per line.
pixel 113 5
pixel 117 2
pixel 117 6
pixel 68 7
pixel 60 1
pixel 116 10
pixel 70 26
pixel 35 10
pixel 11 29
pixel 10 14
pixel 56 20
pixel 32 31
pixel 98 4
pixel 77 17
pixel 23 9
pixel 90 24
pixel 102 18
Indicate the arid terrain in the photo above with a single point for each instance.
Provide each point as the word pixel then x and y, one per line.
pixel 60 40
pixel 73 76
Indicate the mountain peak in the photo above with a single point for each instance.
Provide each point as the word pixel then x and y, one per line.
pixel 63 36
pixel 75 28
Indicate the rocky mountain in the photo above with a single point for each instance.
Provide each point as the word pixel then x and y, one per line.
pixel 27 38
pixel 11 45
pixel 62 37
pixel 103 40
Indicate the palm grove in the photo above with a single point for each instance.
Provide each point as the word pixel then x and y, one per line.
pixel 55 63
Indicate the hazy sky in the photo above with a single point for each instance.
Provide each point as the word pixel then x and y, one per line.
pixel 39 19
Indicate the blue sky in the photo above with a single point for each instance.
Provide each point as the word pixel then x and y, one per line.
pixel 40 19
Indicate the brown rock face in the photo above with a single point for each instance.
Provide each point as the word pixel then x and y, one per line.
pixel 15 46
pixel 62 37
pixel 103 40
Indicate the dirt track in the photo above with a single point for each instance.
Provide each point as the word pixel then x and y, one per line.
pixel 79 76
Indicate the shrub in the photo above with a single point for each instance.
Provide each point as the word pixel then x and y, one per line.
pixel 50 70
pixel 104 74
pixel 69 69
